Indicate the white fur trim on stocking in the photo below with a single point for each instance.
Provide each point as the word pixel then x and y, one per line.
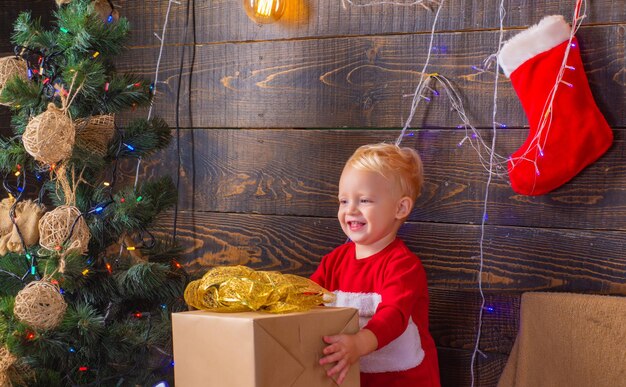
pixel 403 353
pixel 547 34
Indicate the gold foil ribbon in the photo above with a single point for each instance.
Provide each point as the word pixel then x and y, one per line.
pixel 240 289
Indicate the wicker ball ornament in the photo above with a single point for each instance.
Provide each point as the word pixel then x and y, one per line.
pixel 55 226
pixel 95 133
pixel 11 66
pixel 49 137
pixel 6 359
pixel 40 305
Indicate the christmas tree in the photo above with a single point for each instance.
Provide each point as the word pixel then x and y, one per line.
pixel 86 290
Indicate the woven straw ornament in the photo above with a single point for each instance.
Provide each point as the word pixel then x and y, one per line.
pixel 95 133
pixel 40 305
pixel 6 359
pixel 55 226
pixel 11 66
pixel 49 137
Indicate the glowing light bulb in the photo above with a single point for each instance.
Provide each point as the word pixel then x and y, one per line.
pixel 264 11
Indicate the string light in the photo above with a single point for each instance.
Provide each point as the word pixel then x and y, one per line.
pixel 30 336
pixel 83 368
pixel 130 147
pixel 130 248
pixel 64 30
pixel 85 272
pixel 72 350
pixel 110 18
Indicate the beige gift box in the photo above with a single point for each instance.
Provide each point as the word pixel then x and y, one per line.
pixel 254 349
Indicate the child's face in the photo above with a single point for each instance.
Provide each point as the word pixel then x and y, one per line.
pixel 368 208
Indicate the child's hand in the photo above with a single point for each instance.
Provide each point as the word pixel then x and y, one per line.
pixel 346 350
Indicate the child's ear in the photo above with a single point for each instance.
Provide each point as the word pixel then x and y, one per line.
pixel 405 205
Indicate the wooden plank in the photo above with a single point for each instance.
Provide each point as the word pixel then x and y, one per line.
pixel 10 9
pixel 454 316
pixel 225 20
pixel 454 368
pixel 515 258
pixel 356 82
pixel 295 172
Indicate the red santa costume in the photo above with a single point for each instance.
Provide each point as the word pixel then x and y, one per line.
pixel 389 289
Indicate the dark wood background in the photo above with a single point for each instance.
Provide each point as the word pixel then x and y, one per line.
pixel 269 114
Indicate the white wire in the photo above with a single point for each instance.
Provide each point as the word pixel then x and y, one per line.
pixel 156 74
pixel 417 96
pixel 423 3
pixel 494 124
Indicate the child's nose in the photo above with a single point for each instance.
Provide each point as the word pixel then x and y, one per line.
pixel 353 208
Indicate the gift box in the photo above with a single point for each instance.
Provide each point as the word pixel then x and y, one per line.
pixel 255 349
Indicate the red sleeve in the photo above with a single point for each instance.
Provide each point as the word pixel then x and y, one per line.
pixel 400 292
pixel 319 276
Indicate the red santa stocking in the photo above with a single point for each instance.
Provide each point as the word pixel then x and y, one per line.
pixel 567 131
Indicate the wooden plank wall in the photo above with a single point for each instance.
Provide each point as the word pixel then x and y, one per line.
pixel 269 114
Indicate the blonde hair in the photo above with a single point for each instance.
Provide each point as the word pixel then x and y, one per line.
pixel 401 165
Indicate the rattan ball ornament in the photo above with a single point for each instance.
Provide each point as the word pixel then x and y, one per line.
pixel 55 227
pixel 94 134
pixel 6 360
pixel 49 137
pixel 11 66
pixel 40 305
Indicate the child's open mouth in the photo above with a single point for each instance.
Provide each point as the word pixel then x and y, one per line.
pixel 354 226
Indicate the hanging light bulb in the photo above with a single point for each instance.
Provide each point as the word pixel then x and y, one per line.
pixel 264 11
